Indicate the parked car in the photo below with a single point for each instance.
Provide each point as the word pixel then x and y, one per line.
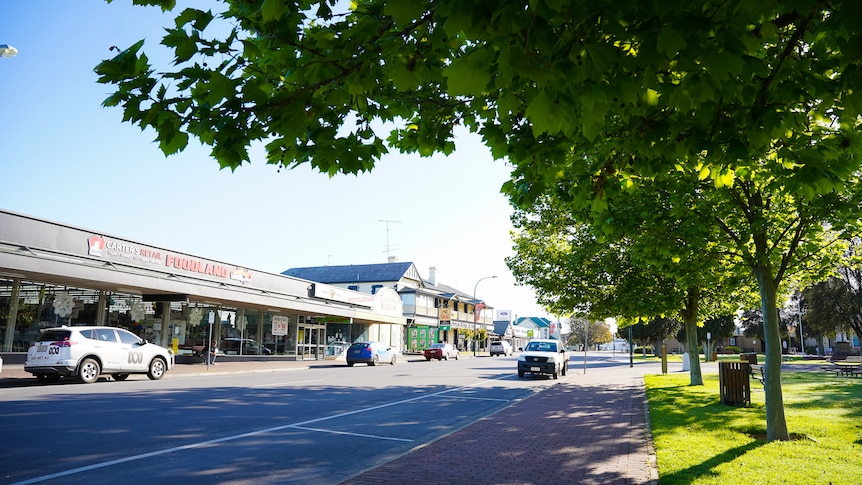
pixel 370 353
pixel 231 346
pixel 501 347
pixel 544 356
pixel 441 351
pixel 88 352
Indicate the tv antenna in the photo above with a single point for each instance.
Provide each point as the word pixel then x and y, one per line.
pixel 388 249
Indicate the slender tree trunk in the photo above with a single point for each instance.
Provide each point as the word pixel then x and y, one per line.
pixel 689 320
pixel 776 424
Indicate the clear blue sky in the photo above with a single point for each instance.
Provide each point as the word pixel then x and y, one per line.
pixel 67 159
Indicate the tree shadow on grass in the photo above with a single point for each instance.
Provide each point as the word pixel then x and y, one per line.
pixel 705 469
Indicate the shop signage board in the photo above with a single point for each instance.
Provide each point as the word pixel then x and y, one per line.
pixel 279 325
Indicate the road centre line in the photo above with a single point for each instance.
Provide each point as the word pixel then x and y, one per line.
pixel 361 435
pixel 478 398
pixel 175 449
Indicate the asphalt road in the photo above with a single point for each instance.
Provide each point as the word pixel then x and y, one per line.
pixel 311 426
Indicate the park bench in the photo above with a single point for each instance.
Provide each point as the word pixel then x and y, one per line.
pixel 844 370
pixel 756 372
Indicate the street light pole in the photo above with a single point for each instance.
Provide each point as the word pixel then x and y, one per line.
pixel 475 317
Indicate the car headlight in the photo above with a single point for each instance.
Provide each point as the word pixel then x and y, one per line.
pixel 522 358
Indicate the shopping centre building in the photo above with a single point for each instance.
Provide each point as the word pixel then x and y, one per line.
pixel 54 274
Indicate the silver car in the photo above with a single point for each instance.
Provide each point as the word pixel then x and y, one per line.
pixel 89 352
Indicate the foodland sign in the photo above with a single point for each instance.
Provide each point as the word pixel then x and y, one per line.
pixel 120 251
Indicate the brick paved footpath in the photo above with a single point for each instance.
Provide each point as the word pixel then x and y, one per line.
pixel 588 429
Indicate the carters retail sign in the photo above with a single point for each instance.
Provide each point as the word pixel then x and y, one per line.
pixel 102 247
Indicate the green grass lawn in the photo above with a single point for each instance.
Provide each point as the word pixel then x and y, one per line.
pixel 698 440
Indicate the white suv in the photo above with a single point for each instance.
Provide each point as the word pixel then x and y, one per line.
pixel 544 356
pixel 88 352
pixel 500 347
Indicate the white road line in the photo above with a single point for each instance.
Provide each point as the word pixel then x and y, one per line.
pixel 191 446
pixel 321 430
pixel 477 398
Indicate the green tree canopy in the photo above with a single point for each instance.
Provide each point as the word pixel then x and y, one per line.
pixel 593 332
pixel 759 101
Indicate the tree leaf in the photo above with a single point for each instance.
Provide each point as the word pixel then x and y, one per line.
pixel 470 74
pixel 670 42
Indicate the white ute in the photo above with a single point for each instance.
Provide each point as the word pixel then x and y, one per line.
pixel 544 356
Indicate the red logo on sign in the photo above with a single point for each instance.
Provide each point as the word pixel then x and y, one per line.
pixel 96 245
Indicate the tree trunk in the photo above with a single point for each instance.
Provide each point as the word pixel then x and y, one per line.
pixel 776 424
pixel 689 319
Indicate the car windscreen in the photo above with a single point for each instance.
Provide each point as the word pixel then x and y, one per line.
pixel 541 347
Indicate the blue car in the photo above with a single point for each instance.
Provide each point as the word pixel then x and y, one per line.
pixel 370 353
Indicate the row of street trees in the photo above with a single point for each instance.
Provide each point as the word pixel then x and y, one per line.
pixel 697 155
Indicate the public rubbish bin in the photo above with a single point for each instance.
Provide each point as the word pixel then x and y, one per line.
pixel 750 357
pixel 733 383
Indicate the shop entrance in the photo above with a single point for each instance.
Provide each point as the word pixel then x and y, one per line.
pixel 310 343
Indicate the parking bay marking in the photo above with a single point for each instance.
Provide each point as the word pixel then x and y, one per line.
pixel 175 449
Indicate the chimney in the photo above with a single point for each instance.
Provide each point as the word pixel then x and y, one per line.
pixel 432 275
pixel 392 259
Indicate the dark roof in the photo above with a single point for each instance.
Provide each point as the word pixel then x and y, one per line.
pixel 351 273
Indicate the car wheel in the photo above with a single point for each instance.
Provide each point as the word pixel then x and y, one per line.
pixel 157 369
pixel 89 371
pixel 393 360
pixel 373 360
pixel 349 363
pixel 556 374
pixel 120 377
pixel 46 378
pixel 521 374
pixel 427 359
pixel 446 357
pixel 456 356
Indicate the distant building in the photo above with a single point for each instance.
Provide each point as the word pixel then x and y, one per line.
pixel 538 327
pixel 435 312
pixel 617 344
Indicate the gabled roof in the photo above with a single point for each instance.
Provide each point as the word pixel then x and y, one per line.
pixel 536 321
pixel 352 273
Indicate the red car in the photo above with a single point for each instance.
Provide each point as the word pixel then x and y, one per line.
pixel 441 351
